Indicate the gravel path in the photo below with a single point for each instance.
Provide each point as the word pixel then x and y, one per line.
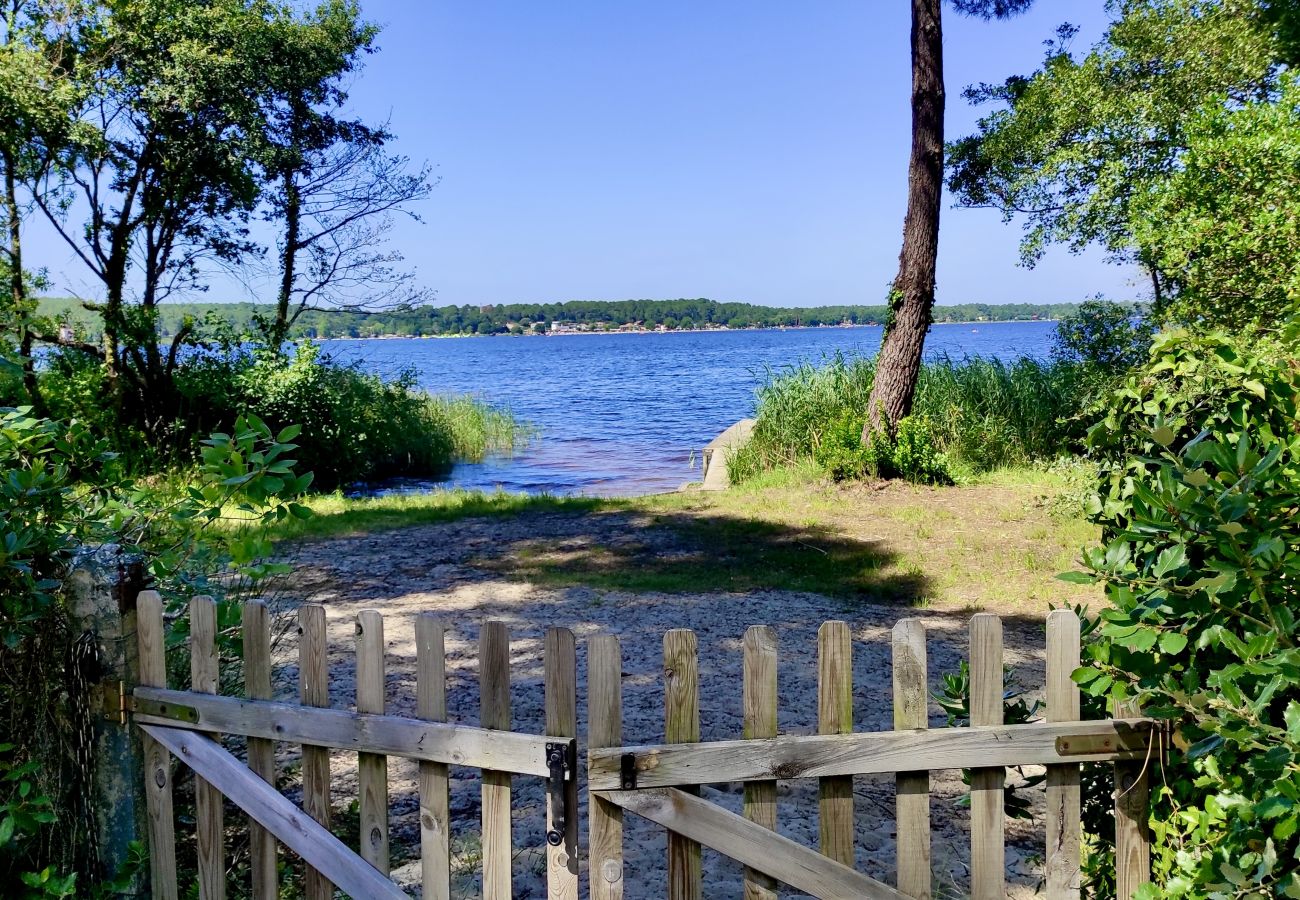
pixel 443 568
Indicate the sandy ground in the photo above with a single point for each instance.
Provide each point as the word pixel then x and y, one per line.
pixel 448 569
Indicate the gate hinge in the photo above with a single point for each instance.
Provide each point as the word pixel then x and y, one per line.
pixel 627 771
pixel 113 702
pixel 562 763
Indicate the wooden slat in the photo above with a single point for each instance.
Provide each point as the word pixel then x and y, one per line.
pixel 494 712
pixel 458 745
pixel 561 676
pixel 372 768
pixel 682 725
pixel 324 852
pixel 435 809
pixel 760 667
pixel 835 716
pixel 1132 834
pixel 912 789
pixel 987 818
pixel 752 844
pixel 313 690
pixel 604 729
pixel 209 819
pixel 867 753
pixel 1061 866
pixel 152 643
pixel 261 752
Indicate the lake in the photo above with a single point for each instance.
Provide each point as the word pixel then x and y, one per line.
pixel 623 413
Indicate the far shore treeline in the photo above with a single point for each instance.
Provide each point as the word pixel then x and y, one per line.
pixel 519 318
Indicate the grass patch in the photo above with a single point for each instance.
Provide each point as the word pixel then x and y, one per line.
pixel 994 543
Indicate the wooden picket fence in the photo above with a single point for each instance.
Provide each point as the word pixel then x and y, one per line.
pixel 658 782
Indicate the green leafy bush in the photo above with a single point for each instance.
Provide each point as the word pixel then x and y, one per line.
pixel 915 454
pixel 61 490
pixel 1200 561
pixel 911 455
pixel 356 426
pixel 981 414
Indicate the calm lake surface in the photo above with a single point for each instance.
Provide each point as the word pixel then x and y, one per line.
pixel 621 413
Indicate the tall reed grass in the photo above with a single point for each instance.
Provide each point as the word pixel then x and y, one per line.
pixel 984 413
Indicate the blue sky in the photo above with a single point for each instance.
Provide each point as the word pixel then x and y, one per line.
pixel 754 151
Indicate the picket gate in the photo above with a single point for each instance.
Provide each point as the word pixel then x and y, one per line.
pixel 659 782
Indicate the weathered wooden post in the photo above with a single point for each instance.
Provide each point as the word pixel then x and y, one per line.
pixel 103 583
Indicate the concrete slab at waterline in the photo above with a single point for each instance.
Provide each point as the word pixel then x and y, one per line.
pixel 718 452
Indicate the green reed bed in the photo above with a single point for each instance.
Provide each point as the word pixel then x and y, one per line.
pixel 984 414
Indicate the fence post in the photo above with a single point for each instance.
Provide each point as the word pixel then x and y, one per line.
pixel 103 585
pixel 1132 837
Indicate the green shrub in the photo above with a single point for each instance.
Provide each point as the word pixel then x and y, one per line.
pixel 915 455
pixel 356 426
pixel 981 414
pixel 1200 561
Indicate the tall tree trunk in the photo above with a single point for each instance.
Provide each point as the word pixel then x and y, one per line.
pixel 912 295
pixel 18 287
pixel 288 257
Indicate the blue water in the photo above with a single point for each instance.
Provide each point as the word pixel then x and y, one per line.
pixel 622 413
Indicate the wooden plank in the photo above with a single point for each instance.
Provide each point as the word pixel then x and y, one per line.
pixel 151 639
pixel 208 815
pixel 561 677
pixel 322 851
pixel 835 716
pixel 987 818
pixel 604 729
pixel 912 789
pixel 434 784
pixel 313 690
pixel 1132 834
pixel 1061 865
pixel 752 844
pixel 458 745
pixel 372 768
pixel 760 667
pixel 682 725
pixel 494 712
pixel 868 753
pixel 261 752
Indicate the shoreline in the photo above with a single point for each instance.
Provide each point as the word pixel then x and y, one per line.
pixel 649 331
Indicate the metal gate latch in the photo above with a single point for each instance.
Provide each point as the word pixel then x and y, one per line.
pixel 562 763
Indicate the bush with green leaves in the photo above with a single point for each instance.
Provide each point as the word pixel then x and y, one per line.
pixel 1200 561
pixel 61 489
pixel 911 454
pixel 982 413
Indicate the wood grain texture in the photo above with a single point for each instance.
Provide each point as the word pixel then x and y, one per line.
pixel 1061 862
pixel 760 693
pixel 561 679
pixel 314 690
pixel 987 819
pixel 494 712
pixel 459 745
pixel 209 820
pixel 755 846
pixel 866 753
pixel 682 725
pixel 912 789
pixel 324 852
pixel 1132 834
pixel 835 716
pixel 433 780
pixel 604 729
pixel 151 641
pixel 372 768
pixel 261 752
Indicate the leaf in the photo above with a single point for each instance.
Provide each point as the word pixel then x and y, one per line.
pixel 1205 746
pixel 1173 642
pixel 1077 578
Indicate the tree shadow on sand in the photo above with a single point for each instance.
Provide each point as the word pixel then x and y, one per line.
pixel 674 552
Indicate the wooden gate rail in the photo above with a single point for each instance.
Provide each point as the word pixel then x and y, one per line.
pixel 660 782
pixel 869 753
pixel 189 724
pixel 339 729
pixel 265 805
